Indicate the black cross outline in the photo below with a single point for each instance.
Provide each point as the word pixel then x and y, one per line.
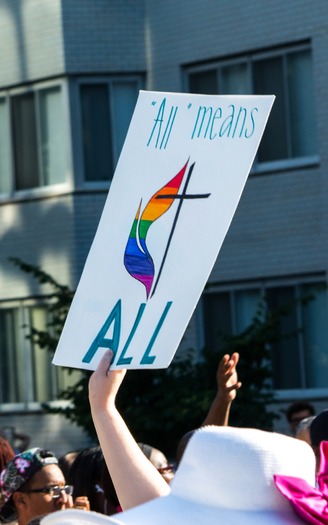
pixel 181 197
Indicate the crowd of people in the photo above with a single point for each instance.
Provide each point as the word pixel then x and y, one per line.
pixel 124 482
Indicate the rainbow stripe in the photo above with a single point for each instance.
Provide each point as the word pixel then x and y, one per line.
pixel 137 259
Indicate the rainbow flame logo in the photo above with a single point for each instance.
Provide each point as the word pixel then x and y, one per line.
pixel 137 259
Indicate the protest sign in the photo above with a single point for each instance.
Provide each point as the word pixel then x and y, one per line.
pixel 176 187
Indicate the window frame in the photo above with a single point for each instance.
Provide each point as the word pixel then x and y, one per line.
pixel 262 285
pixel 22 310
pixel 42 190
pixel 249 59
pixel 81 182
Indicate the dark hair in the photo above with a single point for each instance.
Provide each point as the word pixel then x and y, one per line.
pixel 298 406
pixel 182 445
pixel 146 449
pixel 319 428
pixel 88 474
pixel 66 461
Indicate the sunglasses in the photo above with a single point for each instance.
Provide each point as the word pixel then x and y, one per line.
pixel 168 468
pixel 55 492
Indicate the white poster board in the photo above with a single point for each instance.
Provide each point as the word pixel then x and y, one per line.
pixel 176 187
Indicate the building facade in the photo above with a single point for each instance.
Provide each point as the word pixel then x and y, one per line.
pixel 70 72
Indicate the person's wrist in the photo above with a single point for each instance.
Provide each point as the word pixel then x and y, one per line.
pixel 106 409
pixel 222 398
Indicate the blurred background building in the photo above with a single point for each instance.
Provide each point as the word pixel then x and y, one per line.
pixel 70 72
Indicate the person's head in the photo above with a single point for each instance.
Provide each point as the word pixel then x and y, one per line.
pixel 159 460
pixel 319 433
pixel 32 484
pixel 298 411
pixel 66 461
pixel 6 453
pixel 303 429
pixel 85 476
pixel 90 477
pixel 182 445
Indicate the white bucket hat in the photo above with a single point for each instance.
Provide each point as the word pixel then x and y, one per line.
pixel 225 478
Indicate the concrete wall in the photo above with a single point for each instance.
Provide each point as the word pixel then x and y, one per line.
pixel 49 431
pixel 103 36
pixel 54 233
pixel 31 40
pixel 45 38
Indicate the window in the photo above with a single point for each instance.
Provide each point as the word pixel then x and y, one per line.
pixel 291 130
pixel 36 154
pixel 106 108
pixel 5 154
pixel 300 357
pixel 11 386
pixel 26 373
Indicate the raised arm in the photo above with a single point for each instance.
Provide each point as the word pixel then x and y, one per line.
pixel 218 414
pixel 227 386
pixel 135 479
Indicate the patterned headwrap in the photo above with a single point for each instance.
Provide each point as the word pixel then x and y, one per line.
pixel 20 469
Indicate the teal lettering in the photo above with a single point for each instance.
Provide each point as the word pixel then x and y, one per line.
pixel 248 135
pixel 163 138
pixel 215 117
pixel 241 110
pixel 168 128
pixel 101 341
pixel 158 123
pixel 149 359
pixel 237 123
pixel 122 360
pixel 227 123
pixel 202 111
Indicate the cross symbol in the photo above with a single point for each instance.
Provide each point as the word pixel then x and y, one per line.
pixel 181 197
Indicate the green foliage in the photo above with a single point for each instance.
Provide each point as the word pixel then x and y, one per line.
pixel 254 370
pixel 161 405
pixel 78 409
pixel 59 302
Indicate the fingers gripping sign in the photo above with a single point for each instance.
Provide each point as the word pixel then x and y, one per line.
pixel 105 383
